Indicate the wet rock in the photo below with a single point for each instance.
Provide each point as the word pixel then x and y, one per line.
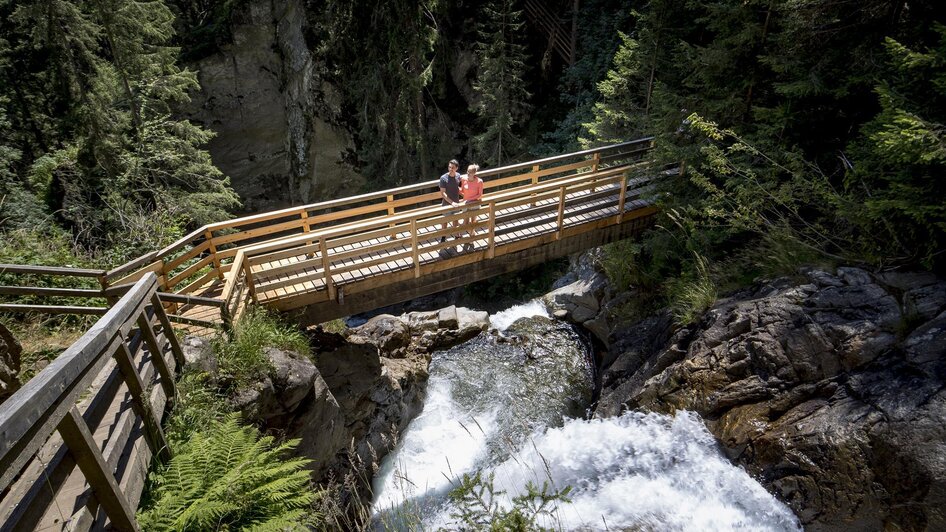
pixel 809 387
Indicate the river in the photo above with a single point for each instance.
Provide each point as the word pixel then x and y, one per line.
pixel 513 405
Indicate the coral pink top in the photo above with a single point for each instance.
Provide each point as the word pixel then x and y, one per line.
pixel 472 190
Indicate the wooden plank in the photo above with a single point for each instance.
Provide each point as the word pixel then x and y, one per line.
pixel 52 309
pixel 297 223
pixel 76 434
pixel 51 292
pixel 155 267
pixel 190 300
pixel 50 270
pixel 191 270
pixel 195 251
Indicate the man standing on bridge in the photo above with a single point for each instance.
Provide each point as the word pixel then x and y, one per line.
pixel 450 191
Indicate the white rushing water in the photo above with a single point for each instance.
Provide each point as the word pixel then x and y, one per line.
pixel 502 320
pixel 489 408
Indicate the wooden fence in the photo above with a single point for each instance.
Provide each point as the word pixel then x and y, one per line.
pixel 77 440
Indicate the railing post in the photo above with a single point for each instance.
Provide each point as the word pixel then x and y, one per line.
pixel 535 178
pixel 248 275
pixel 390 199
pixel 491 249
pixel 623 197
pixel 157 355
pixel 595 161
pixel 75 433
pixel 561 212
pixel 415 255
pixel 326 269
pixel 103 282
pixel 306 228
pixel 209 235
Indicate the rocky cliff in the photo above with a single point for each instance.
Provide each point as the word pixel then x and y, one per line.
pixel 831 390
pixel 262 96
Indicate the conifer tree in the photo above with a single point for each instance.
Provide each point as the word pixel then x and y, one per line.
pixel 899 163
pixel 503 98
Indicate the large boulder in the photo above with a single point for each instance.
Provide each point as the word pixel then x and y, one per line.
pixel 819 388
pixel 580 300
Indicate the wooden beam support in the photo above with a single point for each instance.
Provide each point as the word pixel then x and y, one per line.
pixel 141 404
pixel 75 432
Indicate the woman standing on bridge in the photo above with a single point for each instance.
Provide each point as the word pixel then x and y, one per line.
pixel 471 186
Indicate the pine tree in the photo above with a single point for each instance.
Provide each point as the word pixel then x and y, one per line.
pixel 118 162
pixel 899 163
pixel 503 98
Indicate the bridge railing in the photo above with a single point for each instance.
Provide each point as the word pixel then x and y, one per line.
pixel 74 431
pixel 209 252
pixel 87 291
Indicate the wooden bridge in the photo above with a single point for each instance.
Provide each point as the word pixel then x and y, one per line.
pixel 76 440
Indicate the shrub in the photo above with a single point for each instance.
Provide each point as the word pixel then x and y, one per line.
pixel 228 477
pixel 478 507
pixel 241 356
pixel 690 297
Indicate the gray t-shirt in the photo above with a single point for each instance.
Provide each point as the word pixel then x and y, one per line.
pixel 451 186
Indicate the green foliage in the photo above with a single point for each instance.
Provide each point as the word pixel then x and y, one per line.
pixel 228 477
pixel 502 96
pixel 241 358
pixel 383 58
pixel 197 407
pixel 691 296
pixel 92 86
pixel 896 180
pixel 478 506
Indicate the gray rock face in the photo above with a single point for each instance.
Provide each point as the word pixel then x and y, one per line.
pixel 814 390
pixel 272 115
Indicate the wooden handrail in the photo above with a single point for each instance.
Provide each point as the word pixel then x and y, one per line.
pixel 48 402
